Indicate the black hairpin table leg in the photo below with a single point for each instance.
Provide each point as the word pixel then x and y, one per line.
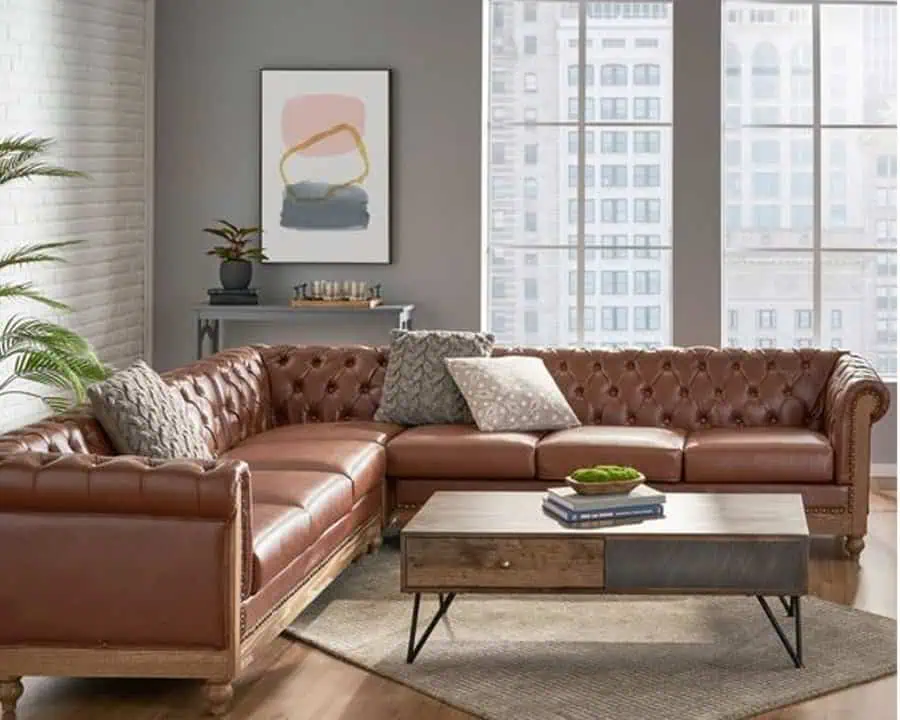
pixel 414 646
pixel 793 610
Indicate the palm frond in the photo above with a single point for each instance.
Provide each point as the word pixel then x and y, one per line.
pixel 27 291
pixel 20 160
pixel 35 253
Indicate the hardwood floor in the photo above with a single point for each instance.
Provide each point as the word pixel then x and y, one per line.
pixel 294 682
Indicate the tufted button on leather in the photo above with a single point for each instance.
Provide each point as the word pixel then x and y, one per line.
pixel 701 366
pixel 703 419
pixel 788 390
pixel 753 392
pixel 349 362
pixel 579 391
pixel 735 366
pixel 563 367
pixel 298 386
pixel 805 364
pixel 647 391
pixel 631 420
pixel 667 365
pixel 598 417
pixel 667 420
pixel 316 362
pixel 364 388
pixel 598 367
pixel 382 360
pixel 770 365
pixel 738 420
pixel 683 391
pixel 312 416
pixel 773 419
pixel 719 392
pixel 614 392
pixel 331 387
pixel 630 365
pixel 283 359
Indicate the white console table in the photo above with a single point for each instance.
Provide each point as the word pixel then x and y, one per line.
pixel 211 318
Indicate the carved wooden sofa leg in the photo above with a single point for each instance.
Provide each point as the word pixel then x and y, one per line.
pixel 218 696
pixel 11 690
pixel 374 544
pixel 854 545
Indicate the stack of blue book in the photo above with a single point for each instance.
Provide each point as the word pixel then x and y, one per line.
pixel 642 503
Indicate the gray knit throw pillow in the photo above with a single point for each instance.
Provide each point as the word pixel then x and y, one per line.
pixel 418 389
pixel 143 415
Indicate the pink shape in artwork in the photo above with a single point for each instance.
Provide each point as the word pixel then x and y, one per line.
pixel 305 115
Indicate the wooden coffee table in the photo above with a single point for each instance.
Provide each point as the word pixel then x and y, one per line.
pixel 707 544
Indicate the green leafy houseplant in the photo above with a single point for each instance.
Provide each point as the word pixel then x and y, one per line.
pixel 36 350
pixel 237 239
pixel 235 272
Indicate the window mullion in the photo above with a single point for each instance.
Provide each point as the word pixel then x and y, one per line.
pixel 818 299
pixel 580 252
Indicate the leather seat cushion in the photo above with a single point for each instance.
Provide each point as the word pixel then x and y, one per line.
pixel 461 451
pixel 656 452
pixel 327 497
pixel 758 455
pixel 361 430
pixel 280 534
pixel 362 462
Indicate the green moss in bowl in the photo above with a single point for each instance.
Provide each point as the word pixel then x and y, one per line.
pixel 605 473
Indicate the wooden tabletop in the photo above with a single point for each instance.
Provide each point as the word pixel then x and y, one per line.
pixel 500 513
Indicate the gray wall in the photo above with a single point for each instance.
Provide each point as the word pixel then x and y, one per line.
pixel 209 53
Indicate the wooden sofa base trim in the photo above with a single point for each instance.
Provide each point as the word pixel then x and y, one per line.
pixel 364 539
pixel 18 661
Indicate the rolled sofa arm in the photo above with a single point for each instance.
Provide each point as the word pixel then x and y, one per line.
pixel 855 399
pixel 121 551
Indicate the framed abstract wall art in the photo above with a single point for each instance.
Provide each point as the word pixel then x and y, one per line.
pixel 325 166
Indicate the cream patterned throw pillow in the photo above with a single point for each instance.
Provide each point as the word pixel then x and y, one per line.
pixel 511 393
pixel 144 415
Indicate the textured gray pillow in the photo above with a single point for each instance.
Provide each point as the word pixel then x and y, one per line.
pixel 143 415
pixel 512 393
pixel 418 390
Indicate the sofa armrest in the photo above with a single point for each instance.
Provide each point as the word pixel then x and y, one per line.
pixel 122 551
pixel 855 399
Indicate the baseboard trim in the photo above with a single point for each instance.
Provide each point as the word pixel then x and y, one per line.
pixel 884 476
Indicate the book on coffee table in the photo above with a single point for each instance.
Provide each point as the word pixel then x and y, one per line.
pixel 647 510
pixel 567 498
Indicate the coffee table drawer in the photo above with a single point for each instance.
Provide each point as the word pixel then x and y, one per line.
pixel 473 563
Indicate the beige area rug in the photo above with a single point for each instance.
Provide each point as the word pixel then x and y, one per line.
pixel 599 658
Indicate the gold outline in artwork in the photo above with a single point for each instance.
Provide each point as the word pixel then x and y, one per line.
pixel 314 140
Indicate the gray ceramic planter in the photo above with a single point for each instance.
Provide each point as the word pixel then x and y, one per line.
pixel 236 274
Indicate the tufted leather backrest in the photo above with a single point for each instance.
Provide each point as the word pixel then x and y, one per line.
pixel 229 395
pixel 691 388
pixel 324 384
pixel 74 432
pixel 686 388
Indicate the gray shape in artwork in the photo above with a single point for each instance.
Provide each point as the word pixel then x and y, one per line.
pixel 306 207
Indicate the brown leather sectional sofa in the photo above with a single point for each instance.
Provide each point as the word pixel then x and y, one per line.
pixel 129 566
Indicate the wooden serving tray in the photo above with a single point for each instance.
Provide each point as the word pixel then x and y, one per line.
pixel 363 304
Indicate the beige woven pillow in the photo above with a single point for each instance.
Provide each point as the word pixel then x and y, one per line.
pixel 144 415
pixel 511 393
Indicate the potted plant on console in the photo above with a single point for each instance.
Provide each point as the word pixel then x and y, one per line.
pixel 236 269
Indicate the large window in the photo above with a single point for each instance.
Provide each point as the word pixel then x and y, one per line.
pixel 805 95
pixel 596 185
pixel 814 239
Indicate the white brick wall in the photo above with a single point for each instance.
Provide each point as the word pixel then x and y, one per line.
pixel 77 71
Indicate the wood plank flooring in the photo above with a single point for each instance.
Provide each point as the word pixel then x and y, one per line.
pixel 294 682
